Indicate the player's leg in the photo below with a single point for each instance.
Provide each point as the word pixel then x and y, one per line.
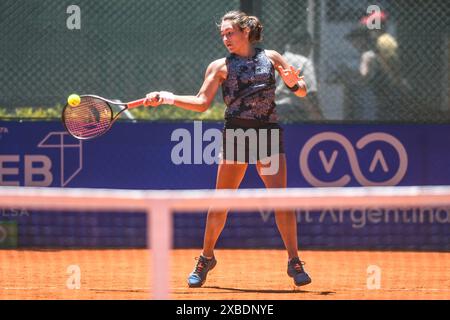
pixel 229 176
pixel 286 220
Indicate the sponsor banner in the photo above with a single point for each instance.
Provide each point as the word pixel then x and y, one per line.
pixel 184 156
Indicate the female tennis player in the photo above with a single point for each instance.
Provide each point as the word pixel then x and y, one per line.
pixel 247 77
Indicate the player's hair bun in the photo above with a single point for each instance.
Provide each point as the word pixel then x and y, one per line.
pixel 243 20
pixel 256 29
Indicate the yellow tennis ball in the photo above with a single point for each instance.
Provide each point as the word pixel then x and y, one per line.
pixel 74 100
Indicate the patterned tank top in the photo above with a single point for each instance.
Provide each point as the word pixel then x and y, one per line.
pixel 249 89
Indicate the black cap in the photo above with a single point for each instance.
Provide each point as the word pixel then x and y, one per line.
pixel 360 31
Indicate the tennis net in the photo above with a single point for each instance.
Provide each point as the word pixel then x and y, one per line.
pixel 128 244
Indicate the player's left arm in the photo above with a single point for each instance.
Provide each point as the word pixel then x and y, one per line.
pixel 288 73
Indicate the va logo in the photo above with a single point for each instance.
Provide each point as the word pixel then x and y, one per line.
pixel 389 158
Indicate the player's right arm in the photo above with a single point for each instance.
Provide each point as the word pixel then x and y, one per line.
pixel 215 74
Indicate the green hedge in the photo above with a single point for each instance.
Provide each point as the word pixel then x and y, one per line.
pixel 164 112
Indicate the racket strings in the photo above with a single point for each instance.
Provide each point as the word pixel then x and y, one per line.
pixel 91 118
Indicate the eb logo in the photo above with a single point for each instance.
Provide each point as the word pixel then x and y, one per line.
pixel 379 159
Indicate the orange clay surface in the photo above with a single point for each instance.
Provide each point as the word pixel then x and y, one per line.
pixel 239 274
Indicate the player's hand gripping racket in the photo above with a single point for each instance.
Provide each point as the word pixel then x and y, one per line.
pixel 93 116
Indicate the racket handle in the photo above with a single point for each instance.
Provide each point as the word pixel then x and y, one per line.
pixel 135 103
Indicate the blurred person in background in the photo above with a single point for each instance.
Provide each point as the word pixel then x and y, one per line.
pixel 392 90
pixel 360 100
pixel 290 108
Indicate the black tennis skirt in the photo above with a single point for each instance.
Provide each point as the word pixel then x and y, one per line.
pixel 249 141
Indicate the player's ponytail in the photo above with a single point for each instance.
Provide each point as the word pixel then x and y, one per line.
pixel 243 20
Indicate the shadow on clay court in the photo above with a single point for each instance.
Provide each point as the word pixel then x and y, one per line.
pixel 293 291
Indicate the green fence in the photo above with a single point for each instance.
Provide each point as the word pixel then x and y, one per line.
pixel 124 49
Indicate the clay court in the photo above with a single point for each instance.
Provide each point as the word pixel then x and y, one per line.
pixel 239 274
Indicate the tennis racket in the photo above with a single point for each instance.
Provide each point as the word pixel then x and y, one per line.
pixel 94 116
